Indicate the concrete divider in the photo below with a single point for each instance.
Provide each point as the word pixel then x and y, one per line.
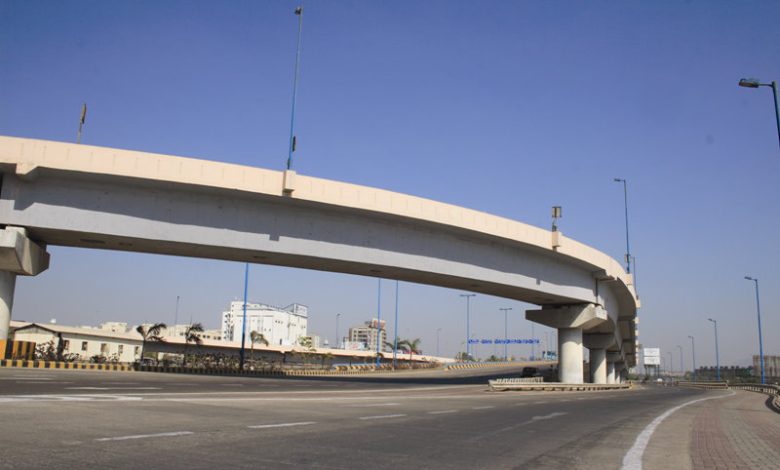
pixel 63 365
pixel 704 385
pixel 772 390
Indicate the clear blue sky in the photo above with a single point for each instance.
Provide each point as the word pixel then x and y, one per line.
pixel 505 107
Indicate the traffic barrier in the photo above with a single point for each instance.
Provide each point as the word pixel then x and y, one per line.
pixel 10 349
pixel 772 390
pixel 35 364
pixel 479 365
pixel 705 385
pixel 497 386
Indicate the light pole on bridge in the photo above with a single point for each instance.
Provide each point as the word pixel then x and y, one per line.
pixel 625 200
pixel 682 367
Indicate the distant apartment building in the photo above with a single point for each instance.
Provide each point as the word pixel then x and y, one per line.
pixel 280 326
pixel 367 335
pixel 771 366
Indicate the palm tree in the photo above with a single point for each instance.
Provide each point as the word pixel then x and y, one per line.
pixel 257 337
pixel 191 336
pixel 151 333
pixel 412 345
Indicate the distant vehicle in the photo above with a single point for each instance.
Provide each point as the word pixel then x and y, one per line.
pixel 530 372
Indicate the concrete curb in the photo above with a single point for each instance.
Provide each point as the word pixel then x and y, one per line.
pixel 20 363
pixel 554 387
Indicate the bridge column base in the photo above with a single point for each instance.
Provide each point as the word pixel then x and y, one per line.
pixel 18 255
pixel 610 372
pixel 570 368
pixel 570 320
pixel 598 366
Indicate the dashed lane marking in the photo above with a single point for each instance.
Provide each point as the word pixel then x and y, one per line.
pixel 144 436
pixel 482 407
pixel 282 425
pixel 442 412
pixel 364 418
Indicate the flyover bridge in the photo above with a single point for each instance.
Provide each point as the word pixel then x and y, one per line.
pixel 56 193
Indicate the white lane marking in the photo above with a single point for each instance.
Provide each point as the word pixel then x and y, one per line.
pixel 539 402
pixel 282 425
pixel 112 388
pixel 549 416
pixel 36 382
pixel 482 407
pixel 144 436
pixel 633 458
pixel 382 417
pixel 371 405
pixel 16 377
pixel 442 412
pixel 232 385
pixel 68 398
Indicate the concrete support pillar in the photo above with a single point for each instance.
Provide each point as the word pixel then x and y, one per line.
pixel 570 320
pixel 7 286
pixel 598 366
pixel 18 255
pixel 570 355
pixel 610 372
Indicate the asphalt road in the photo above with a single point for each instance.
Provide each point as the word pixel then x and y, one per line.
pixel 84 419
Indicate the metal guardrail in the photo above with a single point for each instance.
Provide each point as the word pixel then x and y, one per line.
pixel 553 386
pixel 771 390
pixel 704 385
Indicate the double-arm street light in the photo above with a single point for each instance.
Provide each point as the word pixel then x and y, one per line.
pixel 625 200
pixel 760 337
pixel 693 355
pixel 755 83
pixel 506 338
pixel 468 323
pixel 717 354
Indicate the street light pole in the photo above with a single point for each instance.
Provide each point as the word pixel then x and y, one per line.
pixel 682 367
pixel 717 353
pixel 338 315
pixel 625 200
pixel 755 83
pixel 506 338
pixel 760 336
pixel 299 13
pixel 438 330
pixel 671 362
pixel 468 323
pixel 378 321
pixel 395 329
pixel 243 321
pixel 693 353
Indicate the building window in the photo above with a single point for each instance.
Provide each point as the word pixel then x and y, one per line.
pixel 66 344
pixel 104 348
pixel 137 350
pixel 120 349
pixel 83 345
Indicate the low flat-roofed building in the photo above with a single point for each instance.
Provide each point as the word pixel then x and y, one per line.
pixel 84 342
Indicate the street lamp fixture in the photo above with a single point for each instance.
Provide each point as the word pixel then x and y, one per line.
pixel 755 83
pixel 760 336
pixel 717 354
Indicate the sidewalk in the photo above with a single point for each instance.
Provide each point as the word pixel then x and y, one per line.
pixel 736 432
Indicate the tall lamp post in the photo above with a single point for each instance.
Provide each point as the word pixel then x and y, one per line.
pixel 717 353
pixel 760 337
pixel 468 323
pixel 693 354
pixel 506 338
pixel 755 83
pixel 625 200
pixel 395 329
pixel 682 367
pixel 299 13
pixel 338 341
pixel 671 362
pixel 438 330
pixel 378 321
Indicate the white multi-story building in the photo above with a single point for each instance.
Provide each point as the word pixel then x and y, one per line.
pixel 367 335
pixel 280 326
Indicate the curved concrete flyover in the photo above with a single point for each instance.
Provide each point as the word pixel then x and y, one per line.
pixel 65 194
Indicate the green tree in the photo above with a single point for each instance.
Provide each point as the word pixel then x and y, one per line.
pixel 191 336
pixel 151 333
pixel 256 337
pixel 410 345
